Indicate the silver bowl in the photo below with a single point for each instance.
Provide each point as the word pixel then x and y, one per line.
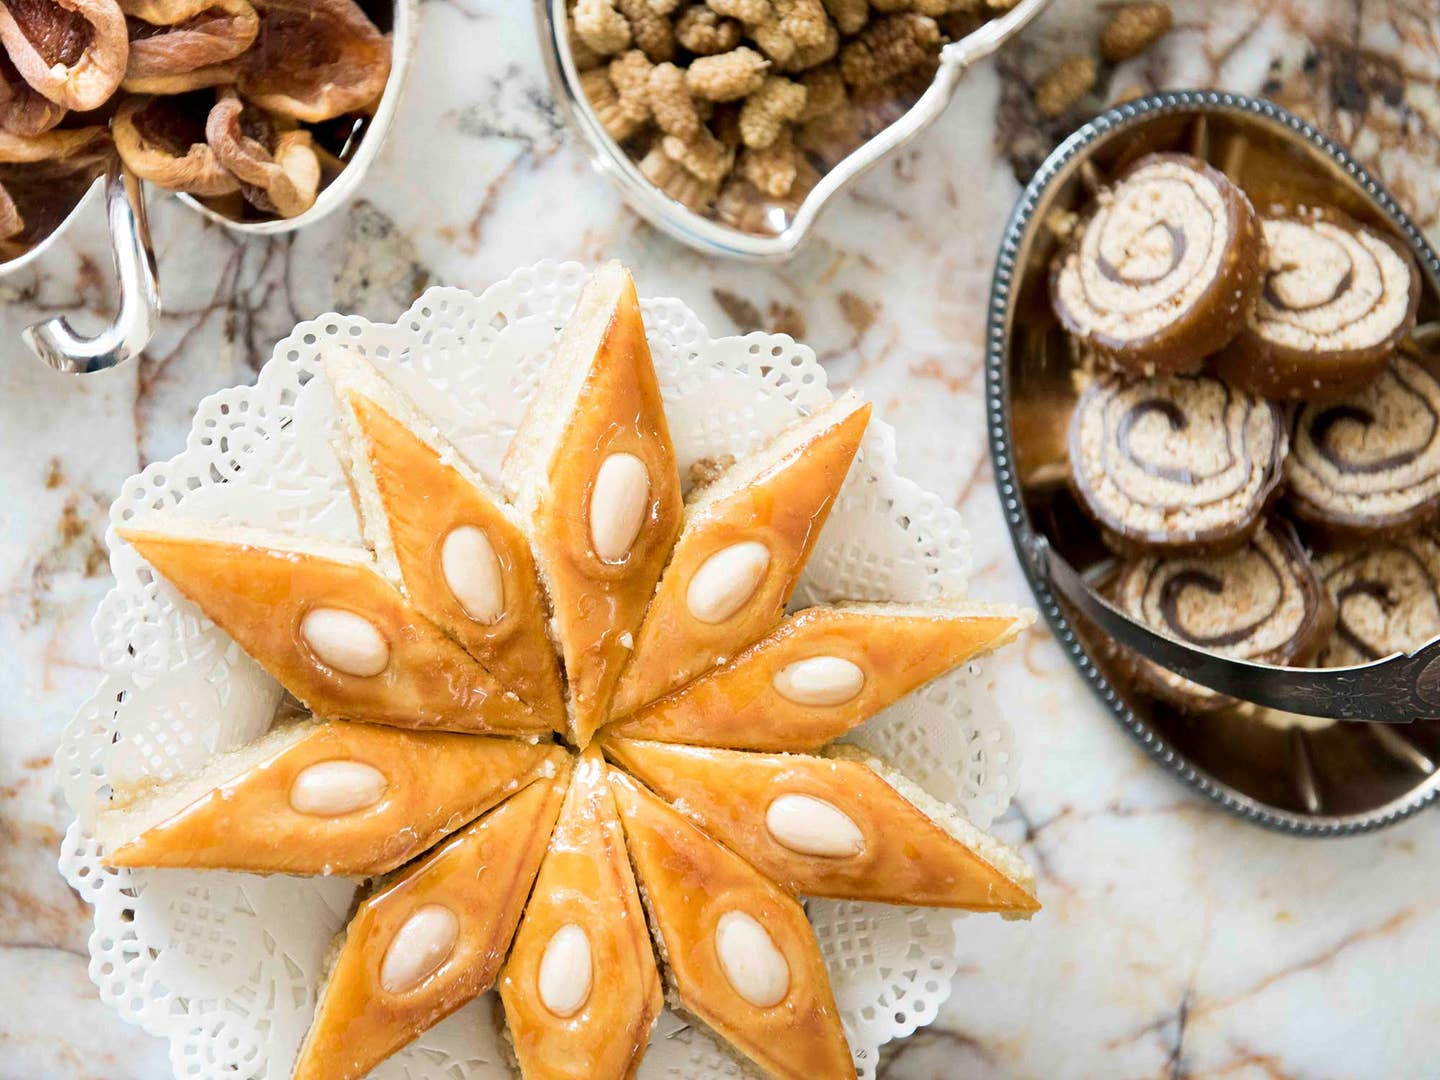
pixel 711 237
pixel 1341 779
pixel 58 344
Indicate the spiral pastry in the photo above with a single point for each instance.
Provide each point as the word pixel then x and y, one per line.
pixel 1259 602
pixel 1337 299
pixel 1165 270
pixel 1369 462
pixel 1175 461
pixel 1387 599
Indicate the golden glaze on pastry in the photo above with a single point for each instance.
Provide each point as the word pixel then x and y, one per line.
pixel 581 990
pixel 739 952
pixel 303 616
pixel 832 827
pixel 429 939
pixel 455 545
pixel 821 672
pixel 323 798
pixel 606 509
pixel 740 556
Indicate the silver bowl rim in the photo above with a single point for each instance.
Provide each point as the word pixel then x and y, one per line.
pixel 997 408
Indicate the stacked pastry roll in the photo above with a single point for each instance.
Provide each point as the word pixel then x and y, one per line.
pixel 565 733
pixel 1251 393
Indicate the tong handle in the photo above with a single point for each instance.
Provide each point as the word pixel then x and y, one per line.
pixel 1395 690
pixel 56 342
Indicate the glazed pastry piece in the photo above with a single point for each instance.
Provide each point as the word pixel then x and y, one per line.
pixel 429 939
pixel 1337 300
pixel 581 990
pixel 322 798
pixel 1387 598
pixel 821 672
pixel 1175 461
pixel 1261 602
pixel 739 953
pixel 741 552
pixel 1369 463
pixel 332 630
pixel 463 560
pixel 593 472
pixel 844 826
pixel 1165 270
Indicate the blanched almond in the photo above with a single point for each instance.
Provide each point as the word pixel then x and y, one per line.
pixel 750 960
pixel 336 788
pixel 564 979
pixel 813 826
pixel 726 580
pixel 424 941
pixel 819 680
pixel 617 505
pixel 472 570
pixel 345 641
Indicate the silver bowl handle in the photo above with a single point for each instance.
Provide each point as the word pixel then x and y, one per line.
pixel 984 41
pixel 55 340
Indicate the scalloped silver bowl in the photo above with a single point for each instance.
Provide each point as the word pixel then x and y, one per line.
pixel 712 237
pixel 138 310
pixel 1343 779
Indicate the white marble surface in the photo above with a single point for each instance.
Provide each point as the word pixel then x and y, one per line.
pixel 1175 941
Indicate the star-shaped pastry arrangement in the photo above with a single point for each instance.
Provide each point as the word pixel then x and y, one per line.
pixel 568 733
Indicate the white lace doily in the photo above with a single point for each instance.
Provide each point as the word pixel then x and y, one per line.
pixel 224 965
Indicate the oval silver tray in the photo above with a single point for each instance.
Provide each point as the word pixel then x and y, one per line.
pixel 1342 779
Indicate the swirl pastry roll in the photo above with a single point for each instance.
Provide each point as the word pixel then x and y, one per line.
pixel 1165 270
pixel 1369 462
pixel 1387 599
pixel 1175 461
pixel 1261 602
pixel 1336 301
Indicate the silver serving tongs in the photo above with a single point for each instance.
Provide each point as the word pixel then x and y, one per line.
pixel 1395 690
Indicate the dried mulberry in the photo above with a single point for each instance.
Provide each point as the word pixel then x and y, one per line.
pixel 888 48
pixel 618 121
pixel 671 102
pixel 601 27
pixel 705 156
pixel 650 32
pixel 849 15
pixel 676 181
pixel 1132 29
pixel 728 76
pixel 768 111
pixel 703 31
pixel 1069 81
pixel 773 169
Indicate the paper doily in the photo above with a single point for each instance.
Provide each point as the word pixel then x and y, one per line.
pixel 225 966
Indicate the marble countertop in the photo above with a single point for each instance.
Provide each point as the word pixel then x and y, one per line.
pixel 1176 940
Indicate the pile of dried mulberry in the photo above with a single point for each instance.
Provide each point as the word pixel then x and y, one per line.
pixel 730 105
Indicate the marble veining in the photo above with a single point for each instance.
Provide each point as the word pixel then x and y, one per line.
pixel 1176 941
